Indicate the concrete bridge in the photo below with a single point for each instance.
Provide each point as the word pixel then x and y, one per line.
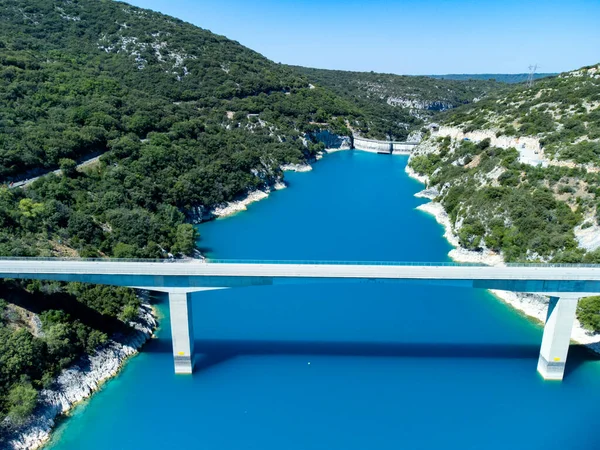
pixel 564 284
pixel 385 147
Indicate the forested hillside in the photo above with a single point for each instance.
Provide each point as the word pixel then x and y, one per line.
pixel 498 197
pixel 395 105
pixel 499 77
pixel 562 111
pixel 184 119
pixel 519 173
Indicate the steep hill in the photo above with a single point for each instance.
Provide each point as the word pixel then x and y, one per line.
pixel 509 78
pixel 519 171
pixel 184 120
pixel 562 111
pixel 79 76
pixel 394 105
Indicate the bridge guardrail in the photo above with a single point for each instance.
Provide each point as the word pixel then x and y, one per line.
pixel 63 258
pixel 284 261
pixel 591 266
pixel 244 261
pixel 341 263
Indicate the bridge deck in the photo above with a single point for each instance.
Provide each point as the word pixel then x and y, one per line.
pixel 325 270
pixel 565 284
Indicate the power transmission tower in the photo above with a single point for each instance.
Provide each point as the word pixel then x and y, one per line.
pixel 532 70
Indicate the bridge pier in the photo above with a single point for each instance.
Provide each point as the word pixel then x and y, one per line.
pixel 557 335
pixel 182 330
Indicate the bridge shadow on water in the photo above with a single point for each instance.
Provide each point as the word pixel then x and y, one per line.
pixel 213 352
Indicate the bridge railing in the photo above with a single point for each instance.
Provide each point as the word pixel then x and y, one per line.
pixel 591 266
pixel 339 262
pixel 243 261
pixel 64 258
pixel 290 261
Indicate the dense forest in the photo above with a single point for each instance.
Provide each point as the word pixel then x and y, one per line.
pixel 395 105
pixel 184 120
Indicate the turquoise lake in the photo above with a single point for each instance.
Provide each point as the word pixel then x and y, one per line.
pixel 343 366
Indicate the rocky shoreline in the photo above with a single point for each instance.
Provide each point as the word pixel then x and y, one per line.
pixel 532 305
pixel 236 206
pixel 229 208
pixel 80 381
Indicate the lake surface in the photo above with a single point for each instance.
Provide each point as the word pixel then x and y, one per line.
pixel 343 366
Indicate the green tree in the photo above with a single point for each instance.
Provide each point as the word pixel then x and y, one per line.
pixel 68 167
pixel 29 208
pixel 22 398
pixel 588 313
pixel 185 239
pixel 122 250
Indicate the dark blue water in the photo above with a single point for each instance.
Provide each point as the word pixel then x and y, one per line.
pixel 343 366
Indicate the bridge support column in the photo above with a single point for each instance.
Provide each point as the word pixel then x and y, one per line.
pixel 182 331
pixel 557 336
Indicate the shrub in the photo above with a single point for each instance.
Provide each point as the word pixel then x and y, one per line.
pixel 21 400
pixel 588 313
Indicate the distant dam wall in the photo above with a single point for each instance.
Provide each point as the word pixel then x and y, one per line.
pixel 386 147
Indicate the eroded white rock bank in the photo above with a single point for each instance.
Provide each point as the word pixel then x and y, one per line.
pixel 532 305
pixel 78 382
pixel 200 214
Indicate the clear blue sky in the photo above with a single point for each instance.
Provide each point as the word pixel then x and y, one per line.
pixel 405 36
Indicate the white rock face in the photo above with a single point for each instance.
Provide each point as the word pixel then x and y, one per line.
pixel 414 136
pixel 429 194
pixel 529 143
pixel 412 103
pixel 333 141
pixel 296 167
pixel 227 209
pixel 532 305
pixel 438 211
pixel 78 382
pixel 588 238
pixel 240 205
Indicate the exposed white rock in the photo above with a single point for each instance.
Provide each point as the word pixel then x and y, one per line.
pixel 520 143
pixel 279 185
pixel 484 256
pixel 333 141
pixel 227 209
pixel 536 306
pixel 588 238
pixel 438 211
pixel 296 167
pixel 532 305
pixel 414 136
pixel 429 194
pixel 411 173
pixel 79 381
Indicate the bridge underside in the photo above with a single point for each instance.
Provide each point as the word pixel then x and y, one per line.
pixel 200 282
pixel 551 363
pixel 557 331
